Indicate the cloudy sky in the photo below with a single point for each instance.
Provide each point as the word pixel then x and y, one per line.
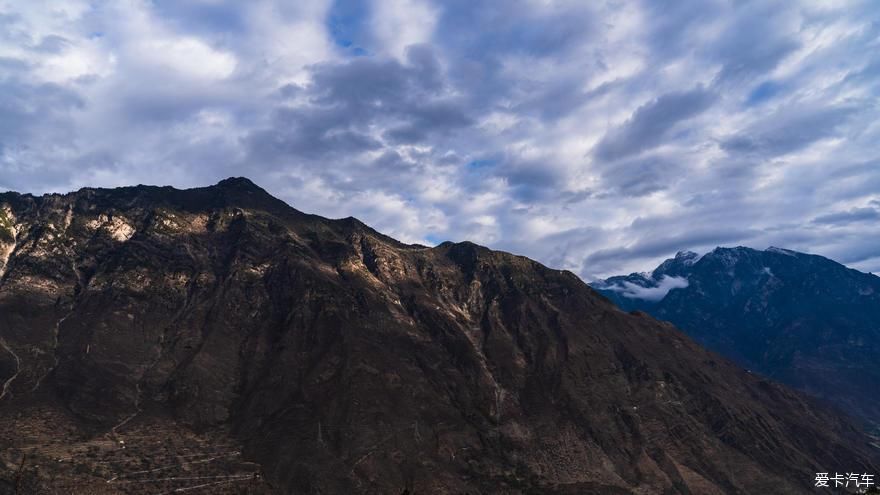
pixel 599 137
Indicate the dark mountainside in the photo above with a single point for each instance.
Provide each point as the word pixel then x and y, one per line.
pixel 797 318
pixel 337 360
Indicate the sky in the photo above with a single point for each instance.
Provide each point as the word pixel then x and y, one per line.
pixel 598 137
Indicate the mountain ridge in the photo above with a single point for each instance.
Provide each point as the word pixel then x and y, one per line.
pixel 342 360
pixel 792 316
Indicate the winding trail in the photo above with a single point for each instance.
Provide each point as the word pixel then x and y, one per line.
pixel 8 382
pixel 54 351
pixel 138 410
pixel 205 485
pixel 230 477
pixel 172 466
pixel 57 329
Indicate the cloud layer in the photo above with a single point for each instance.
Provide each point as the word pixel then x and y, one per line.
pixel 655 293
pixel 598 138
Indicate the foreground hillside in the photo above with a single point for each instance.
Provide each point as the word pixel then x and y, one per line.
pixel 797 318
pixel 332 359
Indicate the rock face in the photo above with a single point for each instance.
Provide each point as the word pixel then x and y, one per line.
pixel 347 362
pixel 797 318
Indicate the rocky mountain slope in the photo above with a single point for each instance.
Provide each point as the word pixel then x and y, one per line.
pixel 800 319
pixel 334 359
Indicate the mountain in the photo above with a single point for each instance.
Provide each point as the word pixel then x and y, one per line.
pixel 159 339
pixel 801 319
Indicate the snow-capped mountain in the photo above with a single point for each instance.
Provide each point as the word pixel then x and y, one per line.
pixel 802 319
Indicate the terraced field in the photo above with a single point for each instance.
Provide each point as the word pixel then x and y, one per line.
pixel 149 454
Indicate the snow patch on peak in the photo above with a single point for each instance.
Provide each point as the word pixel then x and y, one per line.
pixel 677 266
pixel 688 258
pixel 729 257
pixel 787 252
pixel 685 255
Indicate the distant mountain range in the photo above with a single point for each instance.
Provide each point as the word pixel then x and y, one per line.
pixel 797 318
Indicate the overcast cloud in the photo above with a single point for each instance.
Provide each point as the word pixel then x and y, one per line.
pixel 599 138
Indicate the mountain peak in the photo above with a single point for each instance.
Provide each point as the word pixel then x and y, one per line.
pixel 685 255
pixel 239 183
pixel 677 266
pixel 734 249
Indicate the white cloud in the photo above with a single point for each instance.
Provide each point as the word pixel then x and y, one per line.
pixel 401 23
pixel 635 291
pixel 186 56
pixel 283 43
